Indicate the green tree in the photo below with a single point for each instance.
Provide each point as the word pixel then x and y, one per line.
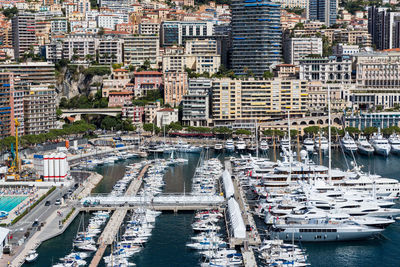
pixel 352 130
pixel 370 130
pixel 313 130
pixel 268 75
pixel 109 123
pixel 242 132
pixel 150 127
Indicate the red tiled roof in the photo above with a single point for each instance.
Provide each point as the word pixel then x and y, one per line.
pixel 166 109
pixel 147 72
pixel 121 93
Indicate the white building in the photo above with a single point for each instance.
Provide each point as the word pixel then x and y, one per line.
pixel 165 116
pixel 295 49
pixel 149 28
pixel 79 47
pixel 59 25
pixel 345 49
pixel 195 104
pixel 108 21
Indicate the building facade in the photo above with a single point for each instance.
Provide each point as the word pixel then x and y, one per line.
pixel 177 32
pixel 327 69
pixel 138 49
pixel 196 103
pixel 256 36
pixel 24 33
pixel 323 10
pixel 175 87
pixel 295 49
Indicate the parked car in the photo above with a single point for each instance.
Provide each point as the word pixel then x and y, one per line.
pixel 48 203
pixel 58 202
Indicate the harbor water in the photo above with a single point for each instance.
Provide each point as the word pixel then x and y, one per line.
pixel 167 245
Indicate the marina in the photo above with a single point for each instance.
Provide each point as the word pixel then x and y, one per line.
pixel 254 228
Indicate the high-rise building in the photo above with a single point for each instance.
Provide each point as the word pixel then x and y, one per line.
pixel 195 104
pixel 32 73
pixel 6 104
pixel 256 36
pixel 175 87
pixel 384 27
pixel 138 49
pixel 323 10
pixel 177 32
pixel 39 110
pixel 24 35
pixel 296 48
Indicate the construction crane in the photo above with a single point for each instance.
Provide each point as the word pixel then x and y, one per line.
pixel 14 169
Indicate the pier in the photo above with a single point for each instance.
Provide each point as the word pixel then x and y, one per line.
pixel 113 225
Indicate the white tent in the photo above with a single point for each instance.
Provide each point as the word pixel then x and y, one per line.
pixel 236 220
pixel 228 185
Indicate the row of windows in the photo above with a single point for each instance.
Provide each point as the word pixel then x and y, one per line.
pixel 318 230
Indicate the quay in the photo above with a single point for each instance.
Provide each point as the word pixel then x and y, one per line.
pixel 252 236
pixel 107 236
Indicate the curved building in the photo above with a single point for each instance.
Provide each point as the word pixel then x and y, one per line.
pixel 256 36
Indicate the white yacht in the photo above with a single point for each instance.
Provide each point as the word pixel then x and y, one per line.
pixel 321 142
pixel 218 147
pixel 241 145
pixel 348 144
pixel 308 144
pixel 380 144
pixel 285 143
pixel 264 146
pixel 364 147
pixel 229 145
pixel 394 141
pixel 323 230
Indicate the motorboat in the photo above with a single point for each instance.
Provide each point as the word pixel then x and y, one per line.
pixel 394 141
pixel 229 145
pixel 321 143
pixel 264 146
pixel 323 230
pixel 348 144
pixel 380 144
pixel 308 144
pixel 364 147
pixel 241 145
pixel 285 143
pixel 32 256
pixel 218 147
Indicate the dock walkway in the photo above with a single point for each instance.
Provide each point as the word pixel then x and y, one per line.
pixel 113 225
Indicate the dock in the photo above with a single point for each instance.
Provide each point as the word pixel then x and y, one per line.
pixel 113 225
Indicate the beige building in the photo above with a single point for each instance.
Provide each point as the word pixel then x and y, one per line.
pixel 39 110
pixel 138 49
pixel 318 96
pixel 257 99
pixel 175 86
pixel 150 112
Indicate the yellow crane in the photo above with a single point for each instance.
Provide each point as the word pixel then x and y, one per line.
pixel 14 169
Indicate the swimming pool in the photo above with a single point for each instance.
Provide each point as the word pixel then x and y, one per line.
pixel 8 203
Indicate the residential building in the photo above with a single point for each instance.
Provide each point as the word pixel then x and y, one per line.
pixel 138 49
pixel 149 28
pixel 196 103
pixel 175 87
pixel 259 99
pixel 33 73
pixel 117 99
pixel 40 110
pixel 110 50
pixel 326 69
pixel 256 36
pixel 7 125
pixel 133 113
pixel 323 10
pixel 318 96
pixel 295 49
pixel 24 35
pixel 165 116
pixel 80 47
pixel 177 32
pixel 384 27
pixel 287 71
pixel 147 81
pixel 150 112
pixel 117 82
pixel 345 49
pixel 59 25
pixel 54 51
pixel 294 3
pixel 109 21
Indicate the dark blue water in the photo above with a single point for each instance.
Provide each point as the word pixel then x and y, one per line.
pixel 166 247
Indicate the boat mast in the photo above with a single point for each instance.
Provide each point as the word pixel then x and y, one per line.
pixel 256 138
pixel 329 137
pixel 290 149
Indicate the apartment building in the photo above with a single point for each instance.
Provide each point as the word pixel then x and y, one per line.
pixel 196 103
pixel 149 28
pixel 110 50
pixel 166 116
pixel 175 87
pixel 118 99
pixel 80 47
pixel 6 104
pixel 24 33
pixel 258 99
pixel 345 49
pixel 177 32
pixel 138 49
pixel 323 10
pixel 150 112
pixel 295 49
pixel 59 25
pixel 294 3
pixel 384 27
pixel 40 110
pixel 318 96
pixel 327 69
pixel 33 73
pixel 133 113
pixel 147 81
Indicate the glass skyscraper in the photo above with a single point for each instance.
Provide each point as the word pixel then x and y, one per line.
pixel 323 10
pixel 256 36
